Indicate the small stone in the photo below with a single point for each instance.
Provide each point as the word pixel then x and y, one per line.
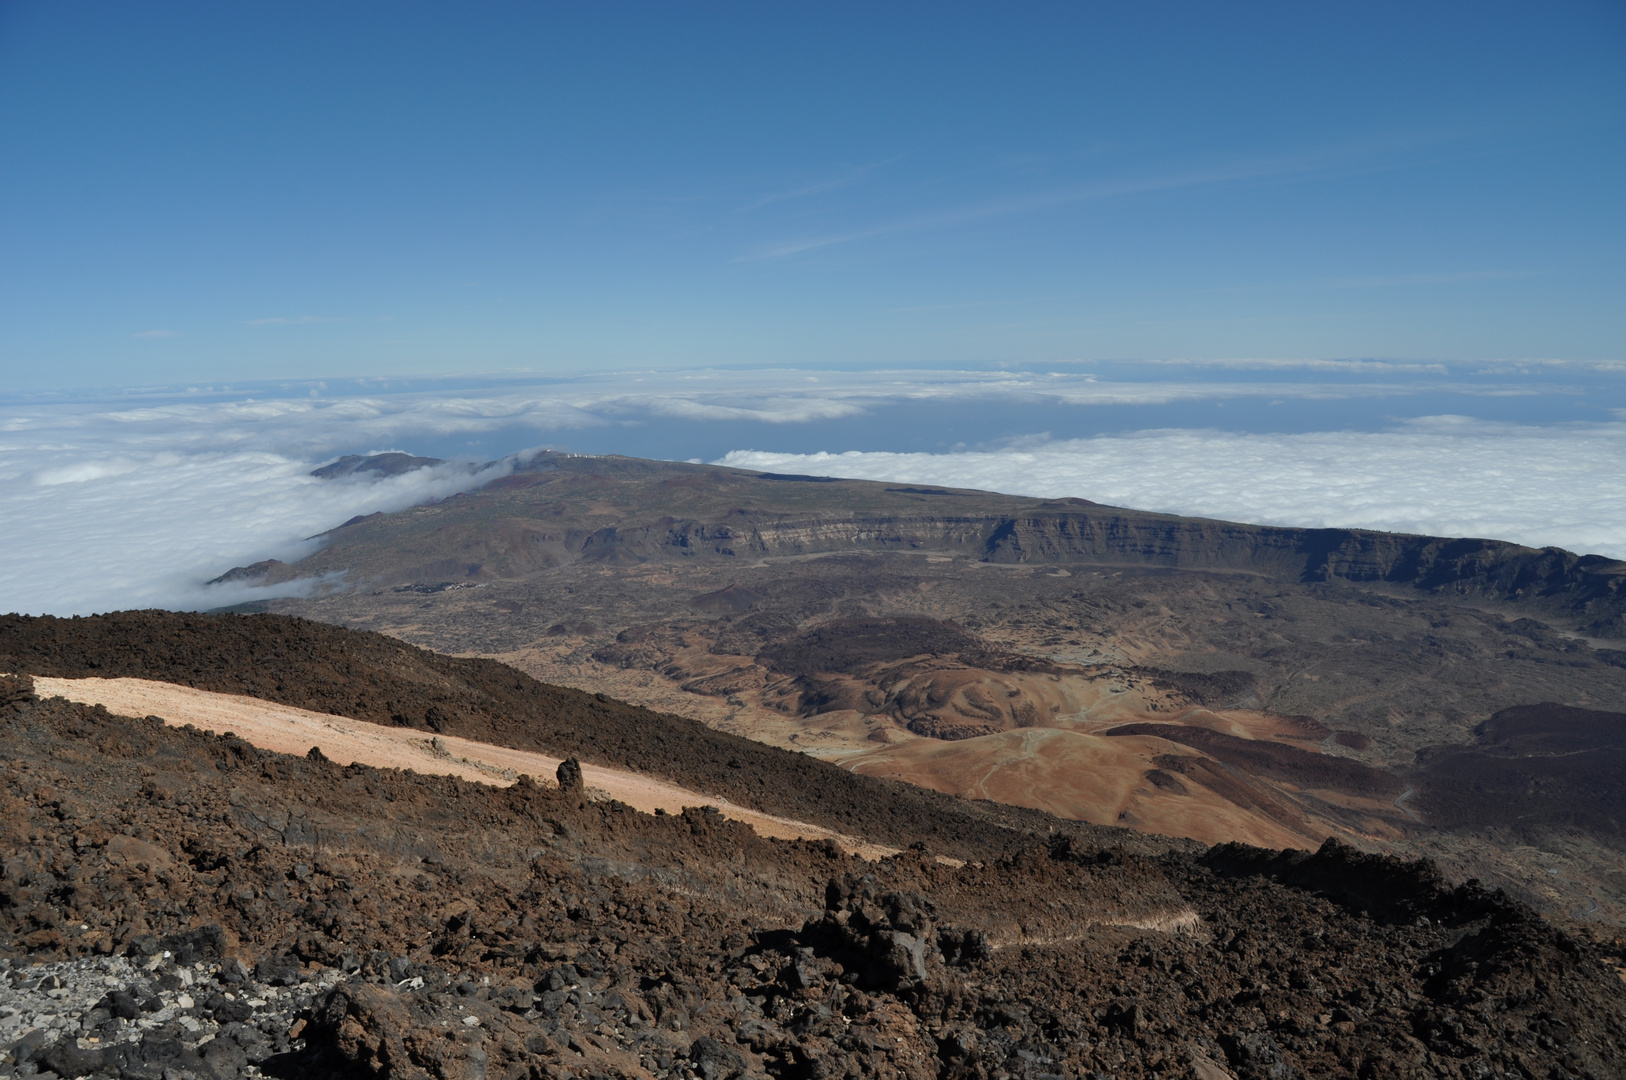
pixel 472 1021
pixel 278 970
pixel 123 1005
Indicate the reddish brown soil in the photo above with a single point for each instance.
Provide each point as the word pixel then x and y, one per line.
pixel 371 677
pixel 591 940
pixel 1277 760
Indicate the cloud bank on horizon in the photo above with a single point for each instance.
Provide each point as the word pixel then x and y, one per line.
pixel 139 499
pixel 1442 476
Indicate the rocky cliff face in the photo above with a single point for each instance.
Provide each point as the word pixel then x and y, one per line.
pixel 622 511
pixel 1589 586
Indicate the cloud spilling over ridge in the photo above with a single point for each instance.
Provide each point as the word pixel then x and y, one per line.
pixel 138 498
pixel 1563 486
pixel 150 532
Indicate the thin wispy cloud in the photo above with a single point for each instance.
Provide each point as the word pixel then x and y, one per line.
pixel 972 213
pixel 843 179
pixel 964 304
pixel 1357 157
pixel 157 334
pixel 1450 278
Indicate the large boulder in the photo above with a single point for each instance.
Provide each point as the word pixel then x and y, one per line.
pixel 884 940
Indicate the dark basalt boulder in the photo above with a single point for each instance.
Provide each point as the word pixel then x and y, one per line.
pixel 278 970
pixel 203 943
pixel 570 776
pixel 1386 888
pixel 882 940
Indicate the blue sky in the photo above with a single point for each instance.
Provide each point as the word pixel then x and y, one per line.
pixel 257 191
pixel 1312 264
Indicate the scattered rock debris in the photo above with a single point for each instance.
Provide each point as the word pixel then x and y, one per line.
pixel 203 910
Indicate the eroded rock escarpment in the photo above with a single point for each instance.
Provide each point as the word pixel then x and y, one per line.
pixel 322 920
pixel 557 510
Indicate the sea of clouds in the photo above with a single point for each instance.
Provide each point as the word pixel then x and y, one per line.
pixel 1442 476
pixel 138 499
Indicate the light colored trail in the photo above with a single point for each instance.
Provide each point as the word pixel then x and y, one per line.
pixel 1401 803
pixel 1025 754
pixel 288 730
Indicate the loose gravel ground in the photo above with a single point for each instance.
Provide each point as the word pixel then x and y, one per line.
pixel 153 1015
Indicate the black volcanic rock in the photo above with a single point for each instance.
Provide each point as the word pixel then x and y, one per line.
pixel 850 645
pixel 570 776
pixel 1532 769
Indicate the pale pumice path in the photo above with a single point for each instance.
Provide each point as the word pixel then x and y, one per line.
pixel 288 730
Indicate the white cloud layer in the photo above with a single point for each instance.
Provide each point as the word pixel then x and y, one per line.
pixel 1444 476
pixel 138 506
pixel 128 533
pixel 139 501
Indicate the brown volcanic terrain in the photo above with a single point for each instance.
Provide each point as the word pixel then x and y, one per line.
pixel 293 731
pixel 246 913
pixel 1185 677
pixel 328 669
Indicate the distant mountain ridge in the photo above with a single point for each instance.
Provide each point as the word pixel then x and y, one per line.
pixel 990 527
pixel 390 464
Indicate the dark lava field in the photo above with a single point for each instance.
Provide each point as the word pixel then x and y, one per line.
pixel 179 903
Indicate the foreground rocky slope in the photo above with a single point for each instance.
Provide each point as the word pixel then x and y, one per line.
pixel 179 903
